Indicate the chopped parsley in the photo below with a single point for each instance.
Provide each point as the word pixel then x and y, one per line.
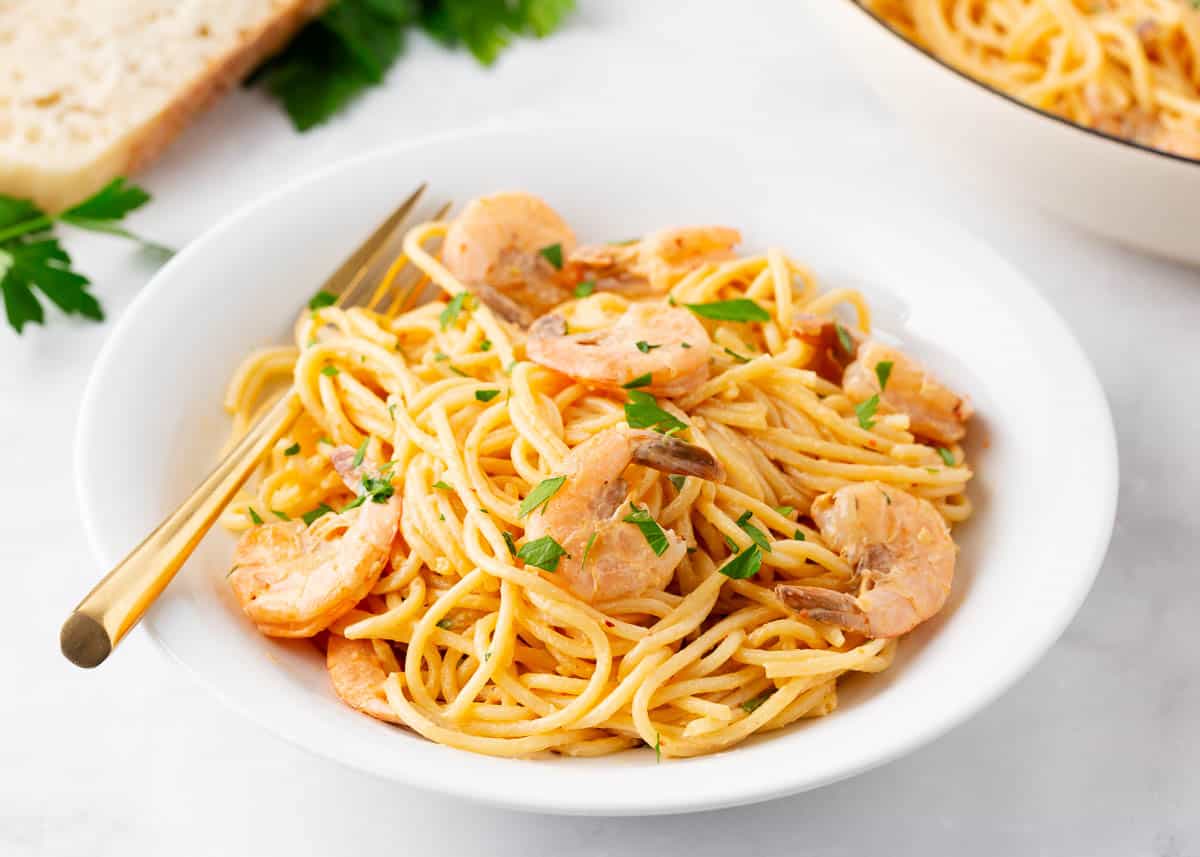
pixel 360 453
pixel 843 336
pixel 321 299
pixel 786 511
pixel 730 543
pixel 640 381
pixel 452 310
pixel 738 309
pixel 445 624
pixel 442 485
pixel 377 489
pixel 947 456
pixel 486 345
pixel 756 535
pixel 553 254
pixel 737 357
pixel 655 537
pixel 685 345
pixel 744 565
pixel 677 480
pixel 657 747
pixel 486 395
pixel 438 355
pixel 751 705
pixel 543 553
pixel 294 449
pixel 585 288
pixel 645 347
pixel 865 410
pixel 309 517
pixel 283 516
pixel 509 543
pixel 798 535
pixel 329 369
pixel 642 411
pixel 254 516
pixel 883 371
pixel 544 490
pixel 586 550
pixel 457 371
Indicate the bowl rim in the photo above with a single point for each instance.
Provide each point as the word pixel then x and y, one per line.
pixel 1012 99
pixel 563 802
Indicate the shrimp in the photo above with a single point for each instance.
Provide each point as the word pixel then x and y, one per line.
pixel 934 411
pixel 357 677
pixel 606 557
pixel 902 550
pixel 293 583
pixel 667 343
pixel 656 262
pixel 493 246
pixel 833 350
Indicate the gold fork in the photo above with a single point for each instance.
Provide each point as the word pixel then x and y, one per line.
pixel 114 606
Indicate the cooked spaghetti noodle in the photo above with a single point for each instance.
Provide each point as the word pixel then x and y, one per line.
pixel 1130 68
pixel 466 644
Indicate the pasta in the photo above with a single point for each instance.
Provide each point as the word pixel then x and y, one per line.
pixel 1129 68
pixel 467 637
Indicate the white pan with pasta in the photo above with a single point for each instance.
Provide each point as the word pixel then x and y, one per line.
pixel 1088 110
pixel 654 526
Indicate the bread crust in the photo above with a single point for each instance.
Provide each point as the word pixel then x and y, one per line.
pixel 54 189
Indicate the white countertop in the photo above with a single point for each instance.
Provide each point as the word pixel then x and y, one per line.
pixel 1094 753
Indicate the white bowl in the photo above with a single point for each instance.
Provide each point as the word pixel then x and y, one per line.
pixel 1135 195
pixel 1044 446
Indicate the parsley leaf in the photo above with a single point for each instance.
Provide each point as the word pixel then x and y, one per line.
pixel 738 358
pixel 865 410
pixel 657 747
pixel 798 535
pixel 330 370
pixel 751 705
pixel 103 210
pixel 309 517
pixel 947 456
pixel 883 371
pixel 540 494
pixel 642 411
pixel 738 309
pixel 360 453
pixel 586 550
pixel 786 511
pixel 544 553
pixel 553 254
pixel 844 339
pixel 744 565
pixel 486 345
pixel 442 485
pixel 486 28
pixel 508 542
pixel 585 288
pixel 283 516
pixel 294 449
pixel 645 347
pixel 445 624
pixel 640 381
pixel 321 299
pixel 677 480
pixel 453 308
pixel 756 535
pixel 486 395
pixel 655 537
pixel 254 516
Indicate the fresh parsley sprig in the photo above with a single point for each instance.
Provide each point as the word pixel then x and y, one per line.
pixel 31 257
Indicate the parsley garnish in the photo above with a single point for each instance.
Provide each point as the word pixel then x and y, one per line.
pixel 947 455
pixel 321 299
pixel 458 371
pixel 883 371
pixel 744 565
pixel 640 381
pixel 442 485
pixel 486 395
pixel 655 537
pixel 786 511
pixel 645 347
pixel 585 288
pixel 738 309
pixel 329 369
pixel 677 480
pixel 756 535
pixel 438 355
pixel 509 543
pixel 294 449
pixel 486 345
pixel 540 494
pixel 453 308
pixel 737 357
pixel 642 411
pixel 445 624
pixel 730 543
pixel 254 515
pixel 798 535
pixel 544 553
pixel 283 516
pixel 843 336
pixel 553 254
pixel 309 517
pixel 586 550
pixel 360 453
pixel 657 747
pixel 865 410
pixel 685 345
pixel 377 489
pixel 752 704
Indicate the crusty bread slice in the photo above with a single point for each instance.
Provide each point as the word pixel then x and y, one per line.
pixel 93 89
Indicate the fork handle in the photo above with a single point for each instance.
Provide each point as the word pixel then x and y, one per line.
pixel 118 601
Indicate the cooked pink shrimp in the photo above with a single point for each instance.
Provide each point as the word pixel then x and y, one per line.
pixel 667 343
pixel 292 583
pixel 934 411
pixel 590 506
pixel 902 551
pixel 656 262
pixel 493 248
pixel 357 677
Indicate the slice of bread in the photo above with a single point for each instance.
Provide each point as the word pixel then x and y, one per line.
pixel 93 89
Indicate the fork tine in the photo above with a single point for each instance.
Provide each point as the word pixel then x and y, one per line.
pixel 397 294
pixel 350 272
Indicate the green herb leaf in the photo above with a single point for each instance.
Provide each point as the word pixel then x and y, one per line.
pixel 378 489
pixel 751 705
pixel 309 517
pixel 283 516
pixel 798 535
pixel 438 355
pixel 486 345
pixel 744 565
pixel 254 516
pixel 677 480
pixel 655 537
pixel 103 210
pixel 737 357
pixel 509 543
pixel 657 747
pixel 544 553
pixel 553 254
pixel 458 371
pixel 738 309
pixel 865 410
pixel 486 28
pixel 645 347
pixel 355 503
pixel 786 511
pixel 445 624
pixel 947 456
pixel 360 453
pixel 586 550
pixel 685 345
pixel 442 485
pixel 452 310
pixel 883 371
pixel 639 381
pixel 486 395
pixel 844 338
pixel 330 370
pixel 541 493
pixel 585 288
pixel 642 411
pixel 756 535
pixel 321 299
pixel 294 449
pixel 730 543
pixel 42 264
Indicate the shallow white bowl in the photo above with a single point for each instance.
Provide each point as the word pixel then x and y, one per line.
pixel 151 424
pixel 1132 194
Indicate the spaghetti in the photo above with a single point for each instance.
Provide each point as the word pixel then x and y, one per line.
pixel 1129 68
pixel 466 643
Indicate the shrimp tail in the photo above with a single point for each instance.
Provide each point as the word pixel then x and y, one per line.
pixel 824 605
pixel 548 326
pixel 671 455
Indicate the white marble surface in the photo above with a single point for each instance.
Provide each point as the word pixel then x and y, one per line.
pixel 1094 753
